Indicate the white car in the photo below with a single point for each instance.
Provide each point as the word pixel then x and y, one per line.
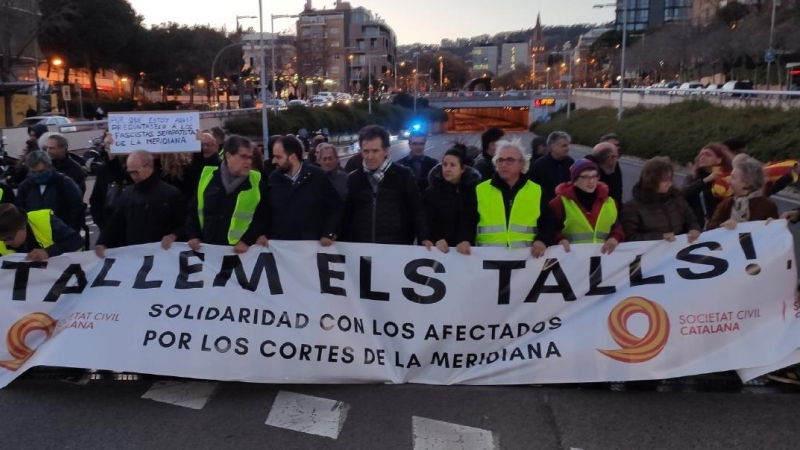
pixel 297 102
pixel 59 121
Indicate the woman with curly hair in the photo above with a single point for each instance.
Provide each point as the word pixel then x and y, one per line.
pixel 173 171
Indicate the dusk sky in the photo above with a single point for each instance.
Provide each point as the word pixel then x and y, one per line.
pixel 425 21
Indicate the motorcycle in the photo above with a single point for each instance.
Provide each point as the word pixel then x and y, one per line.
pixel 95 156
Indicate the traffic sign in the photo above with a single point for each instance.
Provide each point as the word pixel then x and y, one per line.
pixel 66 93
pixel 769 55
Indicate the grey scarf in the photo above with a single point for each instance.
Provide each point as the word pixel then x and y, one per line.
pixel 375 177
pixel 741 206
pixel 230 182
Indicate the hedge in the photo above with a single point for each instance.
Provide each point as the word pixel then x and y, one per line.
pixel 338 119
pixel 680 130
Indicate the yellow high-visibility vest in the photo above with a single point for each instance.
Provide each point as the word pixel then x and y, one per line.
pixel 577 228
pixel 39 222
pixel 246 203
pixel 521 229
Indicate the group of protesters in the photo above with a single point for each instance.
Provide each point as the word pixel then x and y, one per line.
pixel 238 194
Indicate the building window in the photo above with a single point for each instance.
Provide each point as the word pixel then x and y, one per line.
pixel 335 70
pixel 334 30
pixel 336 56
pixel 335 44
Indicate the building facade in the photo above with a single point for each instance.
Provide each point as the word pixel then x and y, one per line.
pixel 644 14
pixel 538 51
pixel 514 55
pixel 337 48
pixel 484 60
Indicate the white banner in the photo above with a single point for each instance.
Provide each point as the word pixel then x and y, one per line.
pixel 353 313
pixel 156 132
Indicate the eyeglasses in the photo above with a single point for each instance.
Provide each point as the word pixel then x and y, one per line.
pixel 137 171
pixel 506 160
pixel 589 177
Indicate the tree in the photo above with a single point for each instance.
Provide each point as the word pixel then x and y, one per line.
pixel 313 55
pixel 516 79
pixel 95 35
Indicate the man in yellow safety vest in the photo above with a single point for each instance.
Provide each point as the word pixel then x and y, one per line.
pixel 230 205
pixel 511 209
pixel 39 234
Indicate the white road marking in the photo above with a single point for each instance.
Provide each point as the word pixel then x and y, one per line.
pixel 436 435
pixel 307 414
pixel 188 394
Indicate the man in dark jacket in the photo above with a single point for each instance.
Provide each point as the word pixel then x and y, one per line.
pixel 230 207
pixel 303 204
pixel 149 211
pixel 606 156
pixel 109 183
pixel 383 204
pixel 57 147
pixel 208 157
pixel 40 234
pixel 552 169
pixel 44 188
pixel 417 161
pixel 483 163
pixel 329 162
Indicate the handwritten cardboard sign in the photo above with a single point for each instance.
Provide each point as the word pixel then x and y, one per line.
pixel 156 132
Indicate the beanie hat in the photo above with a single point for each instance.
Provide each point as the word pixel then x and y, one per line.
pixel 580 166
pixel 12 220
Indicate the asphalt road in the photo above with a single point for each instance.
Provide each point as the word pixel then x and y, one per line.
pixel 106 410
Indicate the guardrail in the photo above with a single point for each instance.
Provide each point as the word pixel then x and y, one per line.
pixel 591 98
pixel 493 95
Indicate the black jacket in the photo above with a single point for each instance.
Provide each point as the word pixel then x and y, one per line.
pixel 8 194
pixel 62 195
pixel 305 210
pixel 65 239
pixel 426 164
pixel 548 173
pixel 699 197
pixel 219 207
pixel 146 212
pixel 108 185
pixel 452 209
pixel 546 224
pixel 72 169
pixel 393 214
pixel 485 166
pixel 614 182
pixel 195 168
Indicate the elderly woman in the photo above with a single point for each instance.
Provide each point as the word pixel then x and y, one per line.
pixel 552 169
pixel 748 202
pixel 714 162
pixel 584 210
pixel 657 209
pixel 512 211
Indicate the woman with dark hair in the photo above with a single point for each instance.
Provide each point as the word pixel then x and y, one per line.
pixel 451 206
pixel 713 163
pixel 538 148
pixel 174 171
pixel 658 210
pixel 748 202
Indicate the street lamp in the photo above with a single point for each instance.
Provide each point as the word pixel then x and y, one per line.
pixel 243 17
pixel 213 65
pixel 441 70
pixel 264 123
pixel 771 53
pixel 272 33
pixel 624 10
pixel 402 64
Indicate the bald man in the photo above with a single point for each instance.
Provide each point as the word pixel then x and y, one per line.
pixel 208 157
pixel 606 155
pixel 149 211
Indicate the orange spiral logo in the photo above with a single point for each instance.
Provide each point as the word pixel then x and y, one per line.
pixel 633 348
pixel 15 340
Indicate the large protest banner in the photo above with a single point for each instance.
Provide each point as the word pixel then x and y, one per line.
pixel 351 313
pixel 156 132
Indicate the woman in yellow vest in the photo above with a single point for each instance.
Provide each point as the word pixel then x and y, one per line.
pixel 511 209
pixel 585 213
pixel 39 234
